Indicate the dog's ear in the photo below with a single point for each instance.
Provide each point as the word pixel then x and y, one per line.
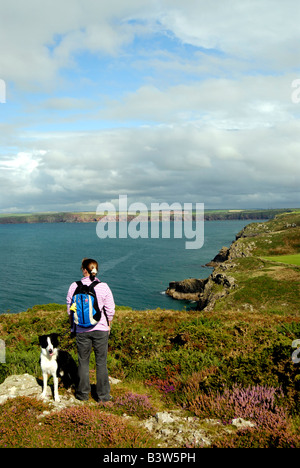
pixel 54 339
pixel 42 340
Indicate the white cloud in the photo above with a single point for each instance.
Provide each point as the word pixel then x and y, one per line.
pixel 253 30
pixel 187 102
pixel 183 164
pixel 38 40
pixel 251 102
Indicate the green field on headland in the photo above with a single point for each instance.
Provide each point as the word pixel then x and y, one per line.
pixel 230 359
pixel 290 259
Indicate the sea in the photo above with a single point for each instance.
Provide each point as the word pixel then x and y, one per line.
pixel 40 261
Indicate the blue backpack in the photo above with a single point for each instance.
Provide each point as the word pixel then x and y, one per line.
pixel 86 313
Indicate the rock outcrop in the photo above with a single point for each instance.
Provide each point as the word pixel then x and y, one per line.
pixel 189 289
pixel 204 291
pixel 175 429
pixel 218 285
pixel 209 290
pixel 27 385
pixel 221 257
pixel 20 385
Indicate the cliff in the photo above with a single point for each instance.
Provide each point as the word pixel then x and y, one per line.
pixel 246 255
pixel 91 217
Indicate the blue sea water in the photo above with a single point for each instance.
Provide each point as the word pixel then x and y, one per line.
pixel 40 261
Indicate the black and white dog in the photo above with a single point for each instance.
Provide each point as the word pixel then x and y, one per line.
pixel 57 363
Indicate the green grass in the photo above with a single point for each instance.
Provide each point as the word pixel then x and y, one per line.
pixel 289 259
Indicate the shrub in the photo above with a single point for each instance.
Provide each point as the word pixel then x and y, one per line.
pixel 135 405
pixel 196 384
pixel 16 417
pixel 184 361
pixel 75 427
pixel 259 404
pixel 167 384
pixel 244 369
pixel 91 428
pixel 259 438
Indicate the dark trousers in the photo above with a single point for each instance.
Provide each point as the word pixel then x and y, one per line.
pixel 98 340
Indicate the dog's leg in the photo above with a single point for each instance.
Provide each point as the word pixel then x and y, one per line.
pixel 55 381
pixel 45 380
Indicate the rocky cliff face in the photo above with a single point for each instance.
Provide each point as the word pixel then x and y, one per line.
pixel 207 291
pixel 189 289
pixel 204 291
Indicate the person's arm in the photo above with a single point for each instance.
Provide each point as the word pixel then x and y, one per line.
pixel 109 305
pixel 69 302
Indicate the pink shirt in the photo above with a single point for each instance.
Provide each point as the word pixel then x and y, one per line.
pixel 104 297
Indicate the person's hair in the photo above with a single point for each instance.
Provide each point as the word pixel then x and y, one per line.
pixel 91 266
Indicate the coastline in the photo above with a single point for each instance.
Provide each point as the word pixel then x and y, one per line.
pixel 253 245
pixel 91 217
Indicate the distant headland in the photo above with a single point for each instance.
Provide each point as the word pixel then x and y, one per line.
pixel 91 217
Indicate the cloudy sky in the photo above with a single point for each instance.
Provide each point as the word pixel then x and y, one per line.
pixel 160 100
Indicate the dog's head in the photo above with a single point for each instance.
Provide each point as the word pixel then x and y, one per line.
pixel 49 344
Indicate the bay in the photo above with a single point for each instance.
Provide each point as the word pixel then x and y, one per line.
pixel 40 261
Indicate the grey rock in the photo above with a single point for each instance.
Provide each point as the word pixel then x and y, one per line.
pixel 19 385
pixel 241 423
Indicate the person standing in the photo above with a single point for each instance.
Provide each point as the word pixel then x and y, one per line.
pixel 95 336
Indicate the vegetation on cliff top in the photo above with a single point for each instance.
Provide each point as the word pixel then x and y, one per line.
pixel 232 361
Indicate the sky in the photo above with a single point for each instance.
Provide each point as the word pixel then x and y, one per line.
pixel 163 101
